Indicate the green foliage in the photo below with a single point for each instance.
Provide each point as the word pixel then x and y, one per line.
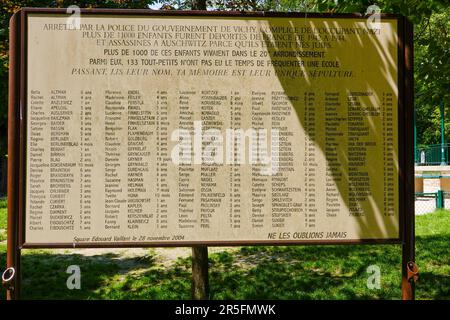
pixel 432 76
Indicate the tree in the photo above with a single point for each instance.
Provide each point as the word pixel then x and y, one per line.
pixel 432 76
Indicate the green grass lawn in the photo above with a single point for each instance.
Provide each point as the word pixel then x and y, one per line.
pixel 3 217
pixel 294 272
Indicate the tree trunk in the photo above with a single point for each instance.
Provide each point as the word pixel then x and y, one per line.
pixel 200 282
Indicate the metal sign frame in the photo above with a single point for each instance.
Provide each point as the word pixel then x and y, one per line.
pixel 17 136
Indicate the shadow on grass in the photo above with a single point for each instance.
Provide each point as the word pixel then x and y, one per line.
pixel 44 273
pixel 294 272
pixel 333 272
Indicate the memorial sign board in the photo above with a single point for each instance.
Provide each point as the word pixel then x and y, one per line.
pixel 147 129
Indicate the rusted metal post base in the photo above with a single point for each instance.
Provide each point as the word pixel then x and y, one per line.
pixel 11 276
pixel 200 281
pixel 409 278
pixel 407 285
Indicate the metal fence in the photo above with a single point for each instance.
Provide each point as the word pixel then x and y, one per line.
pixel 432 155
pixel 427 202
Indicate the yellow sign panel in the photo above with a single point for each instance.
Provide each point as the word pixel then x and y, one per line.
pixel 211 129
